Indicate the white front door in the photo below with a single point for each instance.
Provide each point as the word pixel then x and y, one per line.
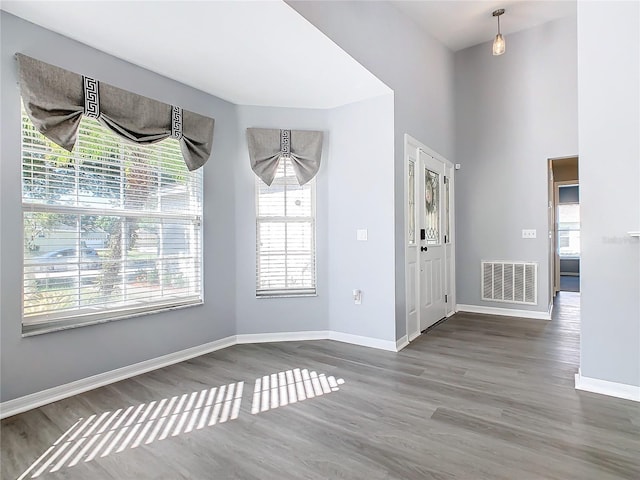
pixel 431 212
pixel 430 261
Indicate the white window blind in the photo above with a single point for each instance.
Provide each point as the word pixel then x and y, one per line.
pixel 285 229
pixel 111 230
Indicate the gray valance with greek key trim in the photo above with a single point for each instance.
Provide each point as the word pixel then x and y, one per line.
pixel 268 145
pixel 55 100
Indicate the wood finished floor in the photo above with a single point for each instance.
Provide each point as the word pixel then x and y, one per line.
pixel 478 397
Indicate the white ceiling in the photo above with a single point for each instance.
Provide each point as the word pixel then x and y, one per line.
pixel 249 53
pixel 263 52
pixel 460 24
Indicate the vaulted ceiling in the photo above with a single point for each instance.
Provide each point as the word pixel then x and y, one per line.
pixel 263 52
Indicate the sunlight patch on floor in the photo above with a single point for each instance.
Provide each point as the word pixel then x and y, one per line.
pixel 114 432
pixel 101 435
pixel 290 386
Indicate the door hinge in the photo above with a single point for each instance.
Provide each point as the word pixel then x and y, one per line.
pixel 446 299
pixel 445 179
pixel 445 239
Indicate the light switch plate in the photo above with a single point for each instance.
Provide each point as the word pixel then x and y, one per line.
pixel 361 234
pixel 528 233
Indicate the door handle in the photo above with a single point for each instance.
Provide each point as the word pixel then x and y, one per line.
pixel 424 249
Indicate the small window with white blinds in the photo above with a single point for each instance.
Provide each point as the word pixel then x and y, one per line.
pixel 111 230
pixel 285 230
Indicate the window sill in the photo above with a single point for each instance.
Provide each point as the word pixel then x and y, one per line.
pixel 286 295
pixel 39 328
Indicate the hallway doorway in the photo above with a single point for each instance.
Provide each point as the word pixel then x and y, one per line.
pixel 564 225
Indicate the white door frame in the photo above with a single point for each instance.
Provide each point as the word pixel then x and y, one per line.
pixel 411 149
pixel 551 225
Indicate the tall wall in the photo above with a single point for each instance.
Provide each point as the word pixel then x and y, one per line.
pixel 35 363
pixel 609 122
pixel 513 113
pixel 270 315
pixel 353 192
pixel 417 68
pixel 360 196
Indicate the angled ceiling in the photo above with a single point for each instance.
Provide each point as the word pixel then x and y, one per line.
pixel 249 53
pixel 263 52
pixel 460 24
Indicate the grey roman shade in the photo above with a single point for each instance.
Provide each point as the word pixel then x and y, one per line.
pixel 267 145
pixel 55 100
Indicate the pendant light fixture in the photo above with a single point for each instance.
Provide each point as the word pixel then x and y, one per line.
pixel 498 42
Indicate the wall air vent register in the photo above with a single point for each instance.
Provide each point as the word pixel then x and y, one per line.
pixel 510 282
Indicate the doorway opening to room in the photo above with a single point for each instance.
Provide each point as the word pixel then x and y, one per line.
pixel 564 225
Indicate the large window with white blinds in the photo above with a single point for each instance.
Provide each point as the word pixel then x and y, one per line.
pixel 285 229
pixel 111 230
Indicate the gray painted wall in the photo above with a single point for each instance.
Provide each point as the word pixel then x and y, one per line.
pixel 361 197
pixel 352 191
pixel 417 68
pixel 36 363
pixel 265 315
pixel 513 113
pixel 609 105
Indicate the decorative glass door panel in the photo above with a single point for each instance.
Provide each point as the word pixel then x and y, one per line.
pixel 432 206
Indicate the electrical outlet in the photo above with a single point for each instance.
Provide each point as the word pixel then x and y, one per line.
pixel 361 234
pixel 529 233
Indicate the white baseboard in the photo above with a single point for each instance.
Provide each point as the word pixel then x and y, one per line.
pixel 317 335
pixel 38 399
pixel 507 312
pixel 414 335
pixel 281 337
pixel 363 341
pixel 604 387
